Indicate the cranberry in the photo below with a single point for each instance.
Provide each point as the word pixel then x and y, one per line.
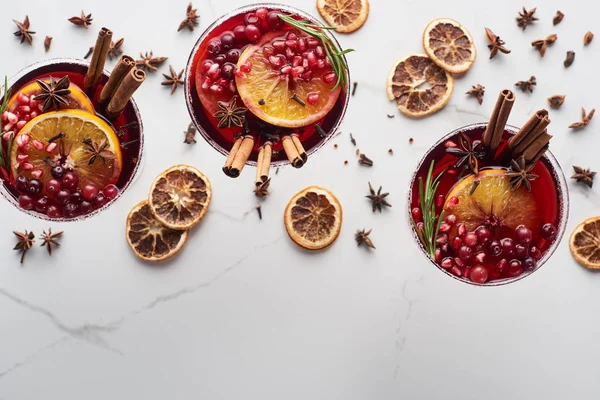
pixel 220 59
pixel 274 21
pixel 52 187
pixel 233 55
pixel 34 187
pixel 70 210
pixel 42 205
pixel 548 231
pixel 228 40
pixel 508 246
pixel 99 200
pixel 252 33
pixel 515 268
pixel 53 212
pixel 529 264
pixel 447 262
pixel 521 251
pixel 478 274
pixel 251 19
pixel 227 70
pixel 214 47
pixel 70 181
pixel 464 253
pixel 57 172
pixel 523 234
pixel 89 191
pixel 495 248
pixel 76 198
pixel 535 252
pixel 416 213
pixel 21 184
pixel 484 235
pixel 240 34
pixel 470 239
pixel 62 197
pixel 85 207
pixel 110 191
pixel 26 202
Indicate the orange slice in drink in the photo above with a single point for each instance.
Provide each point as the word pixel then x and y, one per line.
pixel 449 45
pixel 585 243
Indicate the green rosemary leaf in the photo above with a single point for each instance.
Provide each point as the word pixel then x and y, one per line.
pixel 431 223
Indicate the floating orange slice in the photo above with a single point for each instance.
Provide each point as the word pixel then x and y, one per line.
pixel 449 45
pixel 585 243
pixel 346 16
pixel 77 98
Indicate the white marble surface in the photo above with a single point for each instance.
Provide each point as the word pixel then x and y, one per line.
pixel 242 312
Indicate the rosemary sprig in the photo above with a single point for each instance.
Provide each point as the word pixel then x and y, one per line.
pixel 334 53
pixel 431 227
pixel 5 96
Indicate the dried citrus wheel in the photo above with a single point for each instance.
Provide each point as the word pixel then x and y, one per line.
pixel 77 98
pixel 278 89
pixel 313 218
pixel 494 203
pixel 179 197
pixel 346 16
pixel 419 86
pixel 449 45
pixel 585 243
pixel 149 239
pixel 83 133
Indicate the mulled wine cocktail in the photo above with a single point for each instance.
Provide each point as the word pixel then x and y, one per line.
pixel 259 73
pixel 61 158
pixel 491 225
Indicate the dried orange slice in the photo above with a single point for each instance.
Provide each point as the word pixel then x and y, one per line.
pixel 313 218
pixel 419 86
pixel 585 243
pixel 149 239
pixel 449 45
pixel 179 197
pixel 346 16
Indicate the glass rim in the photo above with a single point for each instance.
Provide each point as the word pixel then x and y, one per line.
pixel 66 60
pixel 563 206
pixel 189 86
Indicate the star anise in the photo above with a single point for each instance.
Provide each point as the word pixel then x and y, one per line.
pixel 98 150
pixel 496 44
pixel 262 189
pixel 115 49
pixel 527 85
pixel 584 175
pixel 585 119
pixel 189 134
pixel 54 93
pixel 150 63
pixel 363 237
pixel 50 239
pixel 557 18
pixel 556 101
pixel 84 20
pixel 469 153
pixel 24 33
pixel 525 18
pixel 541 45
pixel 47 42
pixel 25 242
pixel 377 198
pixel 174 79
pixel 477 91
pixel 520 174
pixel 191 19
pixel 229 114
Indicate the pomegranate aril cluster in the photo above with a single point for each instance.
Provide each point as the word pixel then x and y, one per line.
pixel 14 120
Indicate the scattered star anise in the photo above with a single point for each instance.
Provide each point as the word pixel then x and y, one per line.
pixel 191 19
pixel 189 134
pixel 527 85
pixel 47 42
pixel 496 44
pixel 229 114
pixel 98 150
pixel 363 237
pixel 377 198
pixel 262 189
pixel 525 18
pixel 520 174
pixel 54 93
pixel 469 153
pixel 584 175
pixel 84 20
pixel 173 80
pixel 24 33
pixel 25 242
pixel 541 45
pixel 50 240
pixel 477 91
pixel 585 119
pixel 557 18
pixel 115 49
pixel 150 63
pixel 556 101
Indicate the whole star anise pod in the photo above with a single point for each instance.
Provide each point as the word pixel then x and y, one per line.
pixel 262 189
pixel 98 150
pixel 84 20
pixel 150 63
pixel 520 174
pixel 525 18
pixel 26 240
pixel 541 45
pixel 584 175
pixel 585 119
pixel 229 114
pixel 377 198
pixel 363 237
pixel 114 49
pixel 469 153
pixel 50 239
pixel 24 33
pixel 478 92
pixel 557 18
pixel 527 85
pixel 191 19
pixel 54 93
pixel 173 80
pixel 496 44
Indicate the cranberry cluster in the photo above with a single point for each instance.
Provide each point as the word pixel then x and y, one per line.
pixel 14 120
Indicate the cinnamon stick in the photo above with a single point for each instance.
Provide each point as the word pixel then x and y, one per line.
pixel 291 151
pixel 495 129
pixel 124 65
pixel 96 67
pixel 231 156
pixel 134 78
pixel 264 163
pixel 532 129
pixel 541 142
pixel 241 156
pixel 538 155
pixel 299 147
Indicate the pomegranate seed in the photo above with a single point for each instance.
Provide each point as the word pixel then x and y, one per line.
pixel 8 127
pixel 320 64
pixel 312 59
pixel 12 118
pixel 275 61
pixel 459 262
pixel 33 114
pixel 291 36
pixel 24 110
pixel 480 257
pixel 20 125
pixel 478 274
pixel 296 71
pixel 461 229
pixel 279 45
pixel 445 247
pixel 451 219
pixel 26 118
pixel 307 75
pixel 37 144
pixel 50 148
pixel 456 243
pixel 447 262
pixel 470 239
pixel 501 264
pixel 22 157
pixel 237 72
pixel 291 43
pixel 438 255
pixel 7 135
pixel 22 99
pixel 214 71
pixel 420 227
pixel 296 61
pixel 312 42
pixel 313 98
pixel 27 166
pixel 207 82
pixel 4 116
pixel 319 51
pixel 442 238
pixel 232 87
pixel 289 53
pixel 206 64
pixel 455 270
pixel 286 70
pixel 246 67
pixel 33 103
pixel 452 201
pixel 416 213
pixel 465 272
pixel 302 44
pixel 24 149
pixel 444 227
pixel 450 143
pixel 329 77
pixel 464 253
pixel 22 140
pixel 268 51
pixel 327 62
pixel 215 88
pixel 37 173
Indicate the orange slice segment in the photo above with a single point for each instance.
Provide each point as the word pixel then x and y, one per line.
pixel 179 197
pixel 148 238
pixel 77 98
pixel 419 86
pixel 313 218
pixel 346 16
pixel 584 243
pixel 449 45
